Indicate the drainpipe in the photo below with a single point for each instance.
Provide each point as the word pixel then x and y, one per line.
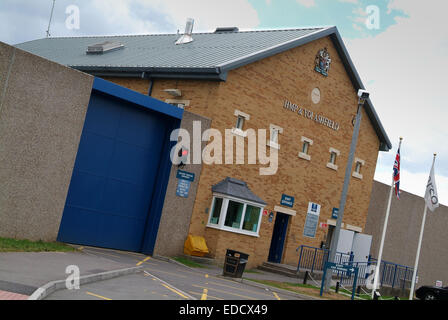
pixel 151 83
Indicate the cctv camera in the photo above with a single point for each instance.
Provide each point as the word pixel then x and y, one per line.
pixel 363 94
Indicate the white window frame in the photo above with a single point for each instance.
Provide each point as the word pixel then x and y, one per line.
pixel 238 131
pixel 331 165
pixel 358 174
pixel 272 143
pixel 304 155
pixel 223 214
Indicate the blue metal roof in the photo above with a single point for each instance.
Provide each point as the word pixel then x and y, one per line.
pixel 209 56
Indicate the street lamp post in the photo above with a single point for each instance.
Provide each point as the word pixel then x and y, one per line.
pixel 362 97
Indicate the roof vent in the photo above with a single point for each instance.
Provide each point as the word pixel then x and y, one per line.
pixel 226 29
pixel 187 36
pixel 104 47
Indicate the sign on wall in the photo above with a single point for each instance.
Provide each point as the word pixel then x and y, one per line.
pixel 183 188
pixel 312 220
pixel 184 183
pixel 185 175
pixel 287 201
pixel 310 115
pixel 334 213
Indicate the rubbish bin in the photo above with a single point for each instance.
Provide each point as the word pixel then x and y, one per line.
pixel 235 263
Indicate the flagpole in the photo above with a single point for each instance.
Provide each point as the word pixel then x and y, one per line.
pixel 383 236
pixel 414 275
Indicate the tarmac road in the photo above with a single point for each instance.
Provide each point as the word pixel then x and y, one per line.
pixel 162 280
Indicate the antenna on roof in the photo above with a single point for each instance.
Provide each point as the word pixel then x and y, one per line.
pixel 51 17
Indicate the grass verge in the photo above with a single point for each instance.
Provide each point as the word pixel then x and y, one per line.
pixel 13 245
pixel 314 291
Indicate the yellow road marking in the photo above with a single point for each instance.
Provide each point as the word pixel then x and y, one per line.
pixel 129 253
pixel 240 289
pixel 208 296
pixel 96 295
pixel 175 291
pixel 204 294
pixel 144 260
pixel 276 295
pixel 108 252
pixel 163 295
pixel 227 292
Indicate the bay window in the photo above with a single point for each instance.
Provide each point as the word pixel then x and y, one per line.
pixel 235 215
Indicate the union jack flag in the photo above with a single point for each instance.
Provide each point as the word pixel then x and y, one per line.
pixel 397 174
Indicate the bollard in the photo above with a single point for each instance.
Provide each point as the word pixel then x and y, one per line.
pixel 337 287
pixel 358 291
pixel 375 295
pixel 305 279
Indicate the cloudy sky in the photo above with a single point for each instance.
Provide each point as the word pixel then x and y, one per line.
pixel 398 46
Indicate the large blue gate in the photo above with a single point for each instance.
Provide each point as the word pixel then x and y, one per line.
pixel 121 171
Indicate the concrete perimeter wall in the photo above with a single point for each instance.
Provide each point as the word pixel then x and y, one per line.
pixel 403 230
pixel 42 112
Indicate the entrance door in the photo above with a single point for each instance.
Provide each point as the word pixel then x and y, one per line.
pixel 278 237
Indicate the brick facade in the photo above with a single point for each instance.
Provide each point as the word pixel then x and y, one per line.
pixel 260 89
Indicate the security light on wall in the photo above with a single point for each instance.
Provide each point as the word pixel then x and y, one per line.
pixel 363 95
pixel 174 92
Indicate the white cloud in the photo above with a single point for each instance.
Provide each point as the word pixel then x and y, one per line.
pixel 307 3
pixel 23 20
pixel 415 183
pixel 405 67
pixel 207 14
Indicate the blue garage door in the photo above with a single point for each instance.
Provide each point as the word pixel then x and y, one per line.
pixel 115 174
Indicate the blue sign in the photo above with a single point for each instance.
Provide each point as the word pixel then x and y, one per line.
pixel 184 175
pixel 334 213
pixel 183 188
pixel 343 268
pixel 340 267
pixel 287 201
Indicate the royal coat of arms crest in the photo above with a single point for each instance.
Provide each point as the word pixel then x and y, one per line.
pixel 323 62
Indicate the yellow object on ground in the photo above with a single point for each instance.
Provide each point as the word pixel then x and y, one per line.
pixel 195 246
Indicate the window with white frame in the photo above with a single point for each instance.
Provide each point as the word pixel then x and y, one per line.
pixel 333 156
pixel 305 150
pixel 241 118
pixel 305 147
pixel 275 131
pixel 239 123
pixel 235 215
pixel 359 163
